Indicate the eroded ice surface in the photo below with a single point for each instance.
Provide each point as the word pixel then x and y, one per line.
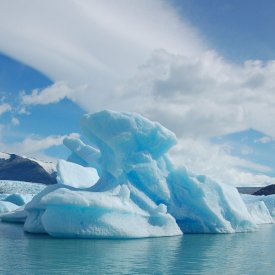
pixel 201 205
pixel 110 214
pixel 262 208
pixel 75 175
pixel 6 206
pixel 139 192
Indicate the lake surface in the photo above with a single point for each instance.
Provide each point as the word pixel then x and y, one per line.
pixel 243 253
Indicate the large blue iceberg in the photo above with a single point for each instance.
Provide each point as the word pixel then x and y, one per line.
pixel 123 185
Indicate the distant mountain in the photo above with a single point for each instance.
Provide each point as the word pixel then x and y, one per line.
pixel 248 190
pixel 19 168
pixel 268 190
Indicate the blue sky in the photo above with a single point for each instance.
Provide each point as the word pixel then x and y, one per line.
pixel 239 30
pixel 55 119
pixel 204 69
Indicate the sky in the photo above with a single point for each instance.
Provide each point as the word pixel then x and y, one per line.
pixel 204 69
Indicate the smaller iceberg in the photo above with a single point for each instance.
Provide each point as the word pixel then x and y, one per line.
pixel 17 215
pixel 12 202
pixel 261 208
pixel 18 199
pixel 6 207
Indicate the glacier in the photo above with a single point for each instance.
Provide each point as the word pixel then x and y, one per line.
pixel 124 185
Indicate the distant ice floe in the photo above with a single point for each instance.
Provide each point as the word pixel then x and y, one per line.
pixel 261 208
pixel 11 202
pixel 124 185
pixel 14 195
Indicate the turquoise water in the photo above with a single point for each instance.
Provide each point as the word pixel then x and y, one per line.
pixel 244 253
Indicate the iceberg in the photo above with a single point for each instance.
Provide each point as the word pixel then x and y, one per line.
pixel 261 208
pixel 12 205
pixel 124 185
pixel 18 199
pixel 11 202
pixel 6 207
pixel 16 215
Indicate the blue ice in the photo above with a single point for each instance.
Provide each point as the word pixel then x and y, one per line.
pixel 132 188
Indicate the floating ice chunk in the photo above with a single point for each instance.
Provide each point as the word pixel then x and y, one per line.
pixel 19 199
pixel 17 216
pixel 74 175
pixel 6 206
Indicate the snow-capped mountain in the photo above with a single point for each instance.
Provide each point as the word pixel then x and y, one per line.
pixel 19 168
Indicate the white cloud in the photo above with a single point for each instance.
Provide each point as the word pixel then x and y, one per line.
pixel 203 96
pixel 92 41
pixel 51 94
pixel 246 150
pixel 199 97
pixel 34 145
pixel 203 157
pixel 264 140
pixel 15 121
pixel 4 107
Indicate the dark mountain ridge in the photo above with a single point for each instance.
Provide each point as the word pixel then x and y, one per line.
pixel 267 190
pixel 18 168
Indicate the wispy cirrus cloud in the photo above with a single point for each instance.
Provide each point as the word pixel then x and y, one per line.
pixel 264 140
pixel 95 42
pixel 51 94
